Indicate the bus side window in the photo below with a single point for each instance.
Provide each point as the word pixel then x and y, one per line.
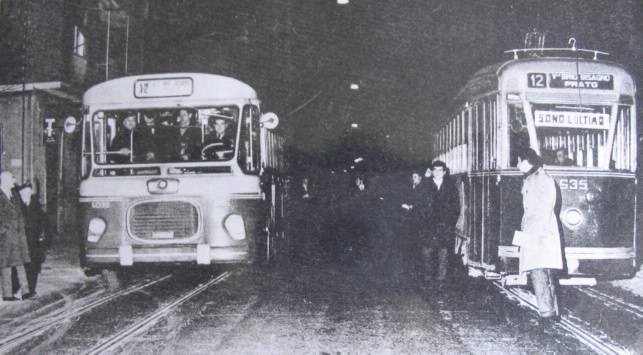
pixel 249 149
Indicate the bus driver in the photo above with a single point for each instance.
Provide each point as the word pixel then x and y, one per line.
pixel 219 142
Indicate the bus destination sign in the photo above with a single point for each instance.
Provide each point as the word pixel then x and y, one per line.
pixel 171 87
pixel 567 119
pixel 570 81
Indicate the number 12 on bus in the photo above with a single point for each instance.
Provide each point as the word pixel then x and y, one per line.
pixel 179 168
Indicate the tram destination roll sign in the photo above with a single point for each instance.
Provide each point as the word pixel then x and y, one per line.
pixel 567 119
pixel 570 81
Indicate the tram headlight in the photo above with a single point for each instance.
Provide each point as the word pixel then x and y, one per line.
pixel 235 227
pixel 96 229
pixel 572 217
pixel 592 196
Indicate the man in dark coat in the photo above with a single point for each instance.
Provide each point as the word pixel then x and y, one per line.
pixel 413 225
pixel 13 239
pixel 160 136
pixel 445 211
pixel 129 144
pixel 36 228
pixel 190 137
pixel 219 139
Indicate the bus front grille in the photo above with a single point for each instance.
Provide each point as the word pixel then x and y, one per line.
pixel 163 220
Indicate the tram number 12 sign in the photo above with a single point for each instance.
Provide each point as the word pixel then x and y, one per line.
pixel 570 81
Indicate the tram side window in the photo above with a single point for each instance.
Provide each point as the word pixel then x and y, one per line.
pixel 249 149
pixel 518 134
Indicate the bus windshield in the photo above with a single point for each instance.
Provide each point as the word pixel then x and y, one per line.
pixel 165 136
pixel 578 136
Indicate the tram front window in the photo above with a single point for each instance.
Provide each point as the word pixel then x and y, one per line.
pixel 580 136
pixel 165 136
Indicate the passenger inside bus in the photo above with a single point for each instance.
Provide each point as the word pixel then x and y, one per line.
pixel 129 145
pixel 190 137
pixel 219 143
pixel 159 136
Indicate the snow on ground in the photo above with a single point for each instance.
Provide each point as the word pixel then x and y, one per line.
pixel 634 285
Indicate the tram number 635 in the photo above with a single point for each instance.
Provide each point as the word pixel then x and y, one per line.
pixel 572 184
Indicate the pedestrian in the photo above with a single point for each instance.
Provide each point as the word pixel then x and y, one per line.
pixel 541 251
pixel 444 213
pixel 36 229
pixel 414 208
pixel 13 239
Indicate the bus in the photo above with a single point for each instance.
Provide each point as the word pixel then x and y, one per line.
pixel 160 185
pixel 578 112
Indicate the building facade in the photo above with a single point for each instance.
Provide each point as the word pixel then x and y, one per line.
pixel 51 51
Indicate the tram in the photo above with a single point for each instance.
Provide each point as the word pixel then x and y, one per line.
pixel 158 187
pixel 578 112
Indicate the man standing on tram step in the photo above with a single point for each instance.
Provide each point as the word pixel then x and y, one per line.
pixel 444 213
pixel 542 252
pixel 13 239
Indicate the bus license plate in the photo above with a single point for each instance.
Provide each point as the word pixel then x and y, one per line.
pixel 163 235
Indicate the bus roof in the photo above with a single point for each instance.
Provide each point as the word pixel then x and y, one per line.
pixel 204 87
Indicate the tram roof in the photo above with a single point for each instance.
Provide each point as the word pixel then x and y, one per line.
pixel 205 87
pixel 486 80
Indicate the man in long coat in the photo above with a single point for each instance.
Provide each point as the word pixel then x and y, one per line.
pixel 444 214
pixel 542 252
pixel 414 223
pixel 13 239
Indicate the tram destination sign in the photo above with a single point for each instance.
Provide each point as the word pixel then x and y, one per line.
pixel 570 81
pixel 171 87
pixel 568 119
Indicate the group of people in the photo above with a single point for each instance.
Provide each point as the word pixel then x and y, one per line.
pixel 154 141
pixel 23 228
pixel 416 241
pixel 431 205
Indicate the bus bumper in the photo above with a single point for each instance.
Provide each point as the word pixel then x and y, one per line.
pixel 204 254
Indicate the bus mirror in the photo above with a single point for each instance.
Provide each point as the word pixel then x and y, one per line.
pixel 70 124
pixel 269 120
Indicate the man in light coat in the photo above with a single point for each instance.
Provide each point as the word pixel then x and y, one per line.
pixel 542 252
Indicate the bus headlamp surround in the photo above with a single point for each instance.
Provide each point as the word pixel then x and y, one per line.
pixel 235 227
pixel 96 229
pixel 572 217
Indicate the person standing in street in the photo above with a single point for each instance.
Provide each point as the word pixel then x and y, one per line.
pixel 13 239
pixel 415 207
pixel 444 213
pixel 542 252
pixel 36 230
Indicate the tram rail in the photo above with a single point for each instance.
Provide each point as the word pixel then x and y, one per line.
pixel 601 344
pixel 148 321
pixel 614 301
pixel 40 325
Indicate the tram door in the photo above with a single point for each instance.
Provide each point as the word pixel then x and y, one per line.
pixel 485 184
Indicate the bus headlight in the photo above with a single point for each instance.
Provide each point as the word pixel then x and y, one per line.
pixel 234 225
pixel 96 229
pixel 572 217
pixel 592 196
